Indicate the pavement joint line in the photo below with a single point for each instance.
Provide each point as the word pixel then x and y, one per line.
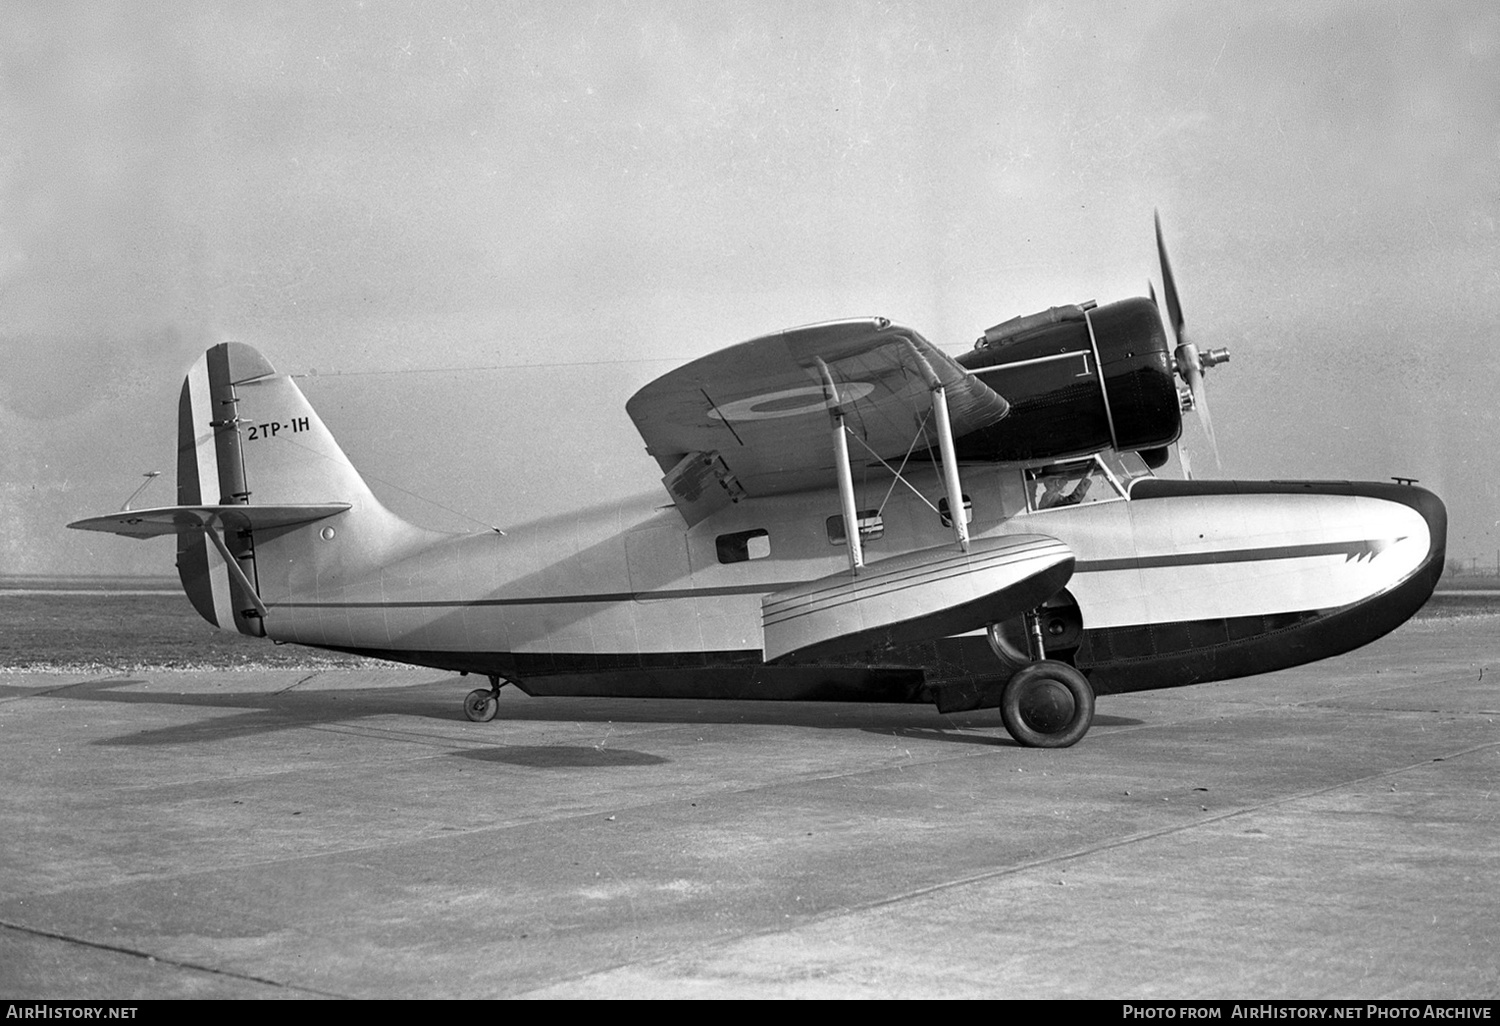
pixel 1425 712
pixel 351 729
pixel 1363 690
pixel 798 780
pixel 582 816
pixel 997 874
pixel 44 692
pixel 1167 831
pixel 465 742
pixel 1326 702
pixel 466 745
pixel 299 683
pixel 390 734
pixel 889 900
pixel 162 960
pixel 794 780
pixel 645 731
pixel 1390 687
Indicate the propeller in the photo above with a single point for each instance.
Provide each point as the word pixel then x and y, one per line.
pixel 1191 363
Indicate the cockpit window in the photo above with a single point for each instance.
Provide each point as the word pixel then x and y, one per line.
pixel 1126 466
pixel 1071 484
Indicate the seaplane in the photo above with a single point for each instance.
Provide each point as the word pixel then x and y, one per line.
pixel 846 513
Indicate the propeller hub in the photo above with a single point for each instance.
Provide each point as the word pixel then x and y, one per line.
pixel 1192 362
pixel 1189 362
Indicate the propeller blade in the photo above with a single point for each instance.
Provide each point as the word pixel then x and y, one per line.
pixel 1190 363
pixel 1200 401
pixel 1168 284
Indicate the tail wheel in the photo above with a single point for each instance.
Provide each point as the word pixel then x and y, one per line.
pixel 1047 704
pixel 481 705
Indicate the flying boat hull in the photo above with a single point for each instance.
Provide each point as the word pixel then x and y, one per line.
pixel 748 586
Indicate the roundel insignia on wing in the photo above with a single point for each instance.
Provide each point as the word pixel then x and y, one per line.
pixel 789 402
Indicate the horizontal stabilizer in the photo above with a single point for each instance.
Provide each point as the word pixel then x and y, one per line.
pixel 915 597
pixel 151 523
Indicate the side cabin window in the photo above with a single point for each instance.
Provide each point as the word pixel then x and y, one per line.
pixel 742 546
pixel 947 519
pixel 871 525
pixel 1076 483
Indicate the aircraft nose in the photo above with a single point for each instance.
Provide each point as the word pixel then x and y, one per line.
pixel 1436 514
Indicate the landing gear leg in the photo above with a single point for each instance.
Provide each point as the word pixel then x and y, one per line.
pixel 1046 703
pixel 481 705
pixel 1038 640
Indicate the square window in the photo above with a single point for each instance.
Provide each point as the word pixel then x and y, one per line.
pixel 742 546
pixel 948 520
pixel 871 525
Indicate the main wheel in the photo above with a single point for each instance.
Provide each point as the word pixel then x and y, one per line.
pixel 481 705
pixel 1047 704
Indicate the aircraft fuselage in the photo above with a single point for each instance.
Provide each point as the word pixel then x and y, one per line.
pixel 1177 583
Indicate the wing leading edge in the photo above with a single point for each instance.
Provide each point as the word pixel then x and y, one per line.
pixel 744 421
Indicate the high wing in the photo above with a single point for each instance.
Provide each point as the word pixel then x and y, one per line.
pixel 745 421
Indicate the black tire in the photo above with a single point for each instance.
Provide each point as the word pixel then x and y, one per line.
pixel 1047 705
pixel 480 705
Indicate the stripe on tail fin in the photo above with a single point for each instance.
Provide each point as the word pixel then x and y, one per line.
pixel 211 471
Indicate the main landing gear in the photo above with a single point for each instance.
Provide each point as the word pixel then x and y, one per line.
pixel 1046 703
pixel 480 705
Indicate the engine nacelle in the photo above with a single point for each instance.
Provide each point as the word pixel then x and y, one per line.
pixel 1078 379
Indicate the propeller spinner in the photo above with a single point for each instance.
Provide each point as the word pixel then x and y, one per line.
pixel 1191 363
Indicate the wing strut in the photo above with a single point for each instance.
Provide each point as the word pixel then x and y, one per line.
pixel 945 446
pixel 841 465
pixel 950 467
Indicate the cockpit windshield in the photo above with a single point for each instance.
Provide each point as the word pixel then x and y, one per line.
pixel 1080 482
pixel 1126 466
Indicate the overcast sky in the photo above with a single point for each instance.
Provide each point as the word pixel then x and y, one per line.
pixel 485 225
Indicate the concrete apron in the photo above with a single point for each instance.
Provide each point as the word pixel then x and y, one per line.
pixel 1321 832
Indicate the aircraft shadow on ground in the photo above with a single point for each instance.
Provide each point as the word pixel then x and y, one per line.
pixel 925 733
pixel 439 700
pixel 562 756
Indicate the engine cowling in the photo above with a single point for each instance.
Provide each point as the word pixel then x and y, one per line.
pixel 1078 379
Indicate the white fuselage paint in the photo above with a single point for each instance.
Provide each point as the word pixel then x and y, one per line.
pixel 631 578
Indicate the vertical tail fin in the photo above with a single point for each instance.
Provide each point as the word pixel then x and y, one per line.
pixel 258 471
pixel 247 436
